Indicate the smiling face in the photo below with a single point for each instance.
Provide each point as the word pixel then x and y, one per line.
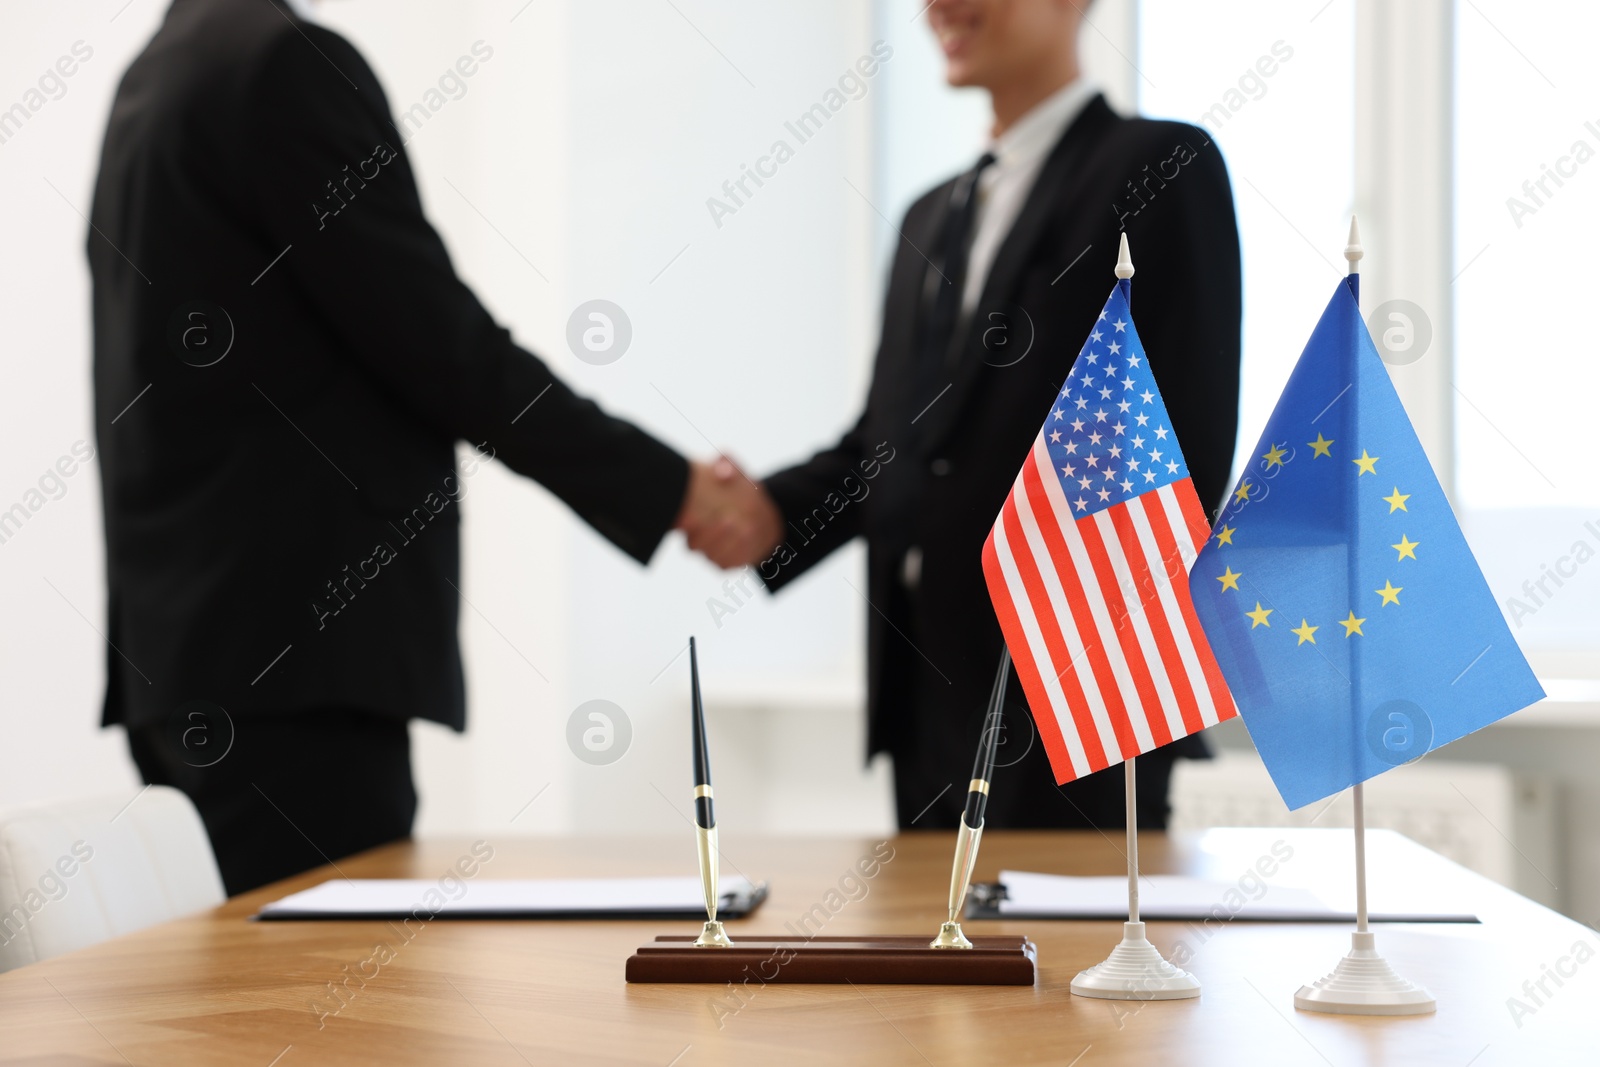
pixel 987 43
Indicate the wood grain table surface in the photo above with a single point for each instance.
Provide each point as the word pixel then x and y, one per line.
pixel 216 988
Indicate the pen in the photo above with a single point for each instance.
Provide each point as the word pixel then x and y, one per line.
pixel 705 817
pixel 971 828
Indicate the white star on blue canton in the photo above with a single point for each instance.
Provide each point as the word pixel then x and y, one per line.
pixel 1109 438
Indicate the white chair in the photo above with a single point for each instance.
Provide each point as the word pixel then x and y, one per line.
pixel 78 873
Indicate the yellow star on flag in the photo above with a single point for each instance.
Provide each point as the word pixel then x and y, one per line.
pixel 1225 537
pixel 1229 579
pixel 1243 493
pixel 1319 447
pixel 1396 500
pixel 1390 593
pixel 1368 464
pixel 1407 548
pixel 1352 625
pixel 1258 617
pixel 1274 457
pixel 1304 632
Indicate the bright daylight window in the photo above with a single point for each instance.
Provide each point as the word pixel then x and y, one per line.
pixel 1277 92
pixel 1526 376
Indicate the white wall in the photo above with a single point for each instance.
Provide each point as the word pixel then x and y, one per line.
pixel 591 142
pixel 52 659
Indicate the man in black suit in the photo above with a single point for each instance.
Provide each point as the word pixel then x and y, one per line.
pixel 284 361
pixel 998 277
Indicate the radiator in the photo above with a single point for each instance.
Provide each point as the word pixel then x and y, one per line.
pixel 1481 815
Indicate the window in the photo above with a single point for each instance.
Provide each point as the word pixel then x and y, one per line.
pixel 1278 94
pixel 1527 207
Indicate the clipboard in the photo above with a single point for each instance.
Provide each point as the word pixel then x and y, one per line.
pixel 362 899
pixel 1168 898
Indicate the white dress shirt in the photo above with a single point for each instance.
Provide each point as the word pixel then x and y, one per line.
pixel 1003 188
pixel 306 9
pixel 1004 185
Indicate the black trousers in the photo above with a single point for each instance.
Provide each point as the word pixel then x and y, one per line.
pixel 294 790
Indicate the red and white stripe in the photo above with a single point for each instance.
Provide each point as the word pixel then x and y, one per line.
pixel 1102 692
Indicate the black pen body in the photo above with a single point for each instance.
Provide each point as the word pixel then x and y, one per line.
pixel 704 814
pixel 988 747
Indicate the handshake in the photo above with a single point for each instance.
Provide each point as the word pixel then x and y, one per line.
pixel 727 516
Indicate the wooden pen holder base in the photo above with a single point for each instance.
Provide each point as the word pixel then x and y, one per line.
pixel 865 960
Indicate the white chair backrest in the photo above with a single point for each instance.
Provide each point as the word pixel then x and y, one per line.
pixel 78 873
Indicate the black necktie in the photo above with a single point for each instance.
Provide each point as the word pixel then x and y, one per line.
pixel 939 321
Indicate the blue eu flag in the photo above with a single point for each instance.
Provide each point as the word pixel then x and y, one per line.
pixel 1342 602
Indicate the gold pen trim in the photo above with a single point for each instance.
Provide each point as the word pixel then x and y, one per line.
pixel 978 785
pixel 713 935
pixel 950 935
pixel 702 791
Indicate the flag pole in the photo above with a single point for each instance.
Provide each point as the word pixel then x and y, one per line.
pixel 1135 970
pixel 1130 786
pixel 1131 791
pixel 1352 254
pixel 1359 795
pixel 1363 983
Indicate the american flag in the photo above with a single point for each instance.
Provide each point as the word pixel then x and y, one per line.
pixel 1087 566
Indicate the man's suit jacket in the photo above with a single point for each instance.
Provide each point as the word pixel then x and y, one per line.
pixel 932 654
pixel 295 503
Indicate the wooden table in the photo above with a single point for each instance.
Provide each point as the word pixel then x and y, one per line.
pixel 216 989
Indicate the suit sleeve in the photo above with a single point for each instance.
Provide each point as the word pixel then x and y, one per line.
pixel 1186 299
pixel 801 490
pixel 380 277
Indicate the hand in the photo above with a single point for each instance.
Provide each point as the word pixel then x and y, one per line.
pixel 728 516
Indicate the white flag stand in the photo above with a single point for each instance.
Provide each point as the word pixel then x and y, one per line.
pixel 1363 983
pixel 1135 970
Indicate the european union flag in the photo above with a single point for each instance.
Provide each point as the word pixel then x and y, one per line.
pixel 1342 602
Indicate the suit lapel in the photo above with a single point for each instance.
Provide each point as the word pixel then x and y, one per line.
pixel 1063 168
pixel 907 302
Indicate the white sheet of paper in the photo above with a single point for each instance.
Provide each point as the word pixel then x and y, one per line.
pixel 1166 896
pixel 389 896
pixel 1159 894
